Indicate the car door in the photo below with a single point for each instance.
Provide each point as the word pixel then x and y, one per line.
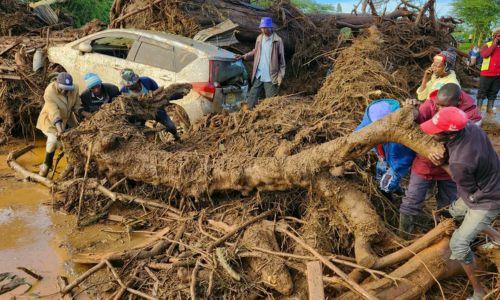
pixel 111 53
pixel 156 60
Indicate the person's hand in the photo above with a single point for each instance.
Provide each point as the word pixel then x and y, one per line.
pixel 280 80
pixel 410 102
pixel 238 57
pixel 86 114
pixel 436 157
pixel 428 74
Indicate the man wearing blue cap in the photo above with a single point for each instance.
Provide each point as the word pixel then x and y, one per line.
pixel 96 94
pixel 394 160
pixel 61 103
pixel 269 63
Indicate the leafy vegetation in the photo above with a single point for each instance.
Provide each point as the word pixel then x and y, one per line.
pixel 480 15
pixel 83 11
pixel 308 6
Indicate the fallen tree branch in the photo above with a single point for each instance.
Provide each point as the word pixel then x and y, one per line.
pixel 82 277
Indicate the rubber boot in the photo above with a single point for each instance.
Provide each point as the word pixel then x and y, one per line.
pixel 406 225
pixel 47 164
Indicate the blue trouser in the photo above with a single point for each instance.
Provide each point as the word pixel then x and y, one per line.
pixel 164 119
pixel 414 199
pixel 473 222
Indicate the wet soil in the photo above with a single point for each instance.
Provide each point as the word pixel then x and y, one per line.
pixel 34 236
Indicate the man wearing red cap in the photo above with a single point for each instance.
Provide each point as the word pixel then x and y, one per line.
pixel 424 174
pixel 475 167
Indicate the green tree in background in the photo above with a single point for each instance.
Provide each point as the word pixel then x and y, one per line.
pixel 308 6
pixel 83 11
pixel 480 15
pixel 339 8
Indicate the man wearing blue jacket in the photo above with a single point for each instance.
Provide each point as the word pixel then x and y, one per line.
pixel 135 86
pixel 394 160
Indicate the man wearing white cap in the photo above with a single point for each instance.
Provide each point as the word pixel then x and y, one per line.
pixel 62 102
pixel 268 63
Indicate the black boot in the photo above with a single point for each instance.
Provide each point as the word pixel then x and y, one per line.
pixel 406 225
pixel 47 164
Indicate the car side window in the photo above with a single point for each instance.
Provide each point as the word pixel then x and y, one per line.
pixel 118 47
pixel 156 56
pixel 183 58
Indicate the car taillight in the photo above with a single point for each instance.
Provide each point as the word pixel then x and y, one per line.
pixel 206 89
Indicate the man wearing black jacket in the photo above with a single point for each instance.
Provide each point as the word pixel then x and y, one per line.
pixel 96 94
pixel 475 167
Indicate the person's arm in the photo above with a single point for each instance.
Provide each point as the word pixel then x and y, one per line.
pixel 53 113
pixel 488 51
pixel 282 62
pixel 424 112
pixel 113 92
pixel 84 98
pixel 423 89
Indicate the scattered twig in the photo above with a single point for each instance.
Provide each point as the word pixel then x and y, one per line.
pixel 82 191
pixel 82 277
pixel 31 273
pixel 225 264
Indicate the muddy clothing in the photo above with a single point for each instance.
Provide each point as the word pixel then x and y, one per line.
pixel 414 199
pixel 58 108
pixel 270 90
pixel 147 84
pixel 475 167
pixel 394 159
pixel 277 63
pixel 473 222
pixel 435 83
pixel 91 102
pixel 421 165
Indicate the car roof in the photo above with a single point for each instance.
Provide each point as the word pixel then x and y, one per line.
pixel 202 48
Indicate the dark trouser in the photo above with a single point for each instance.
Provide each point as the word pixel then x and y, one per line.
pixel 488 88
pixel 164 119
pixel 270 89
pixel 413 201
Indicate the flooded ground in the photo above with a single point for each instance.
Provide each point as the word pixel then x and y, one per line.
pixel 34 236
pixel 31 234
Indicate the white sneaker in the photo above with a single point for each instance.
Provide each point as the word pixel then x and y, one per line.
pixel 44 170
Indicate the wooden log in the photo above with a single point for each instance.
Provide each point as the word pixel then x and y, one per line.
pixel 315 280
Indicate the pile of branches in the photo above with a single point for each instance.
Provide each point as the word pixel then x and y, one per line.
pixel 246 200
pixel 21 86
pixel 311 40
pixel 243 204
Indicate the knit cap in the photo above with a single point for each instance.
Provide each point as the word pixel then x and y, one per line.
pixel 92 80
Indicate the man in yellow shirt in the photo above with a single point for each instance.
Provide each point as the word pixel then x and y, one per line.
pixel 61 101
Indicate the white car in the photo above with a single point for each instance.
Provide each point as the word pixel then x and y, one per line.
pixel 218 79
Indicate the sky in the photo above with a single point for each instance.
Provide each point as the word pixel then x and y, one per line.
pixel 443 7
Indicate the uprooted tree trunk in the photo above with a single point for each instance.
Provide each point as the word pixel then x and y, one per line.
pixel 196 174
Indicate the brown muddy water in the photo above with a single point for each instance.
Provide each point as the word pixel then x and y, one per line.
pixel 34 236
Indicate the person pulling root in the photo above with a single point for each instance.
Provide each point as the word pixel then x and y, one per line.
pixel 62 102
pixel 475 167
